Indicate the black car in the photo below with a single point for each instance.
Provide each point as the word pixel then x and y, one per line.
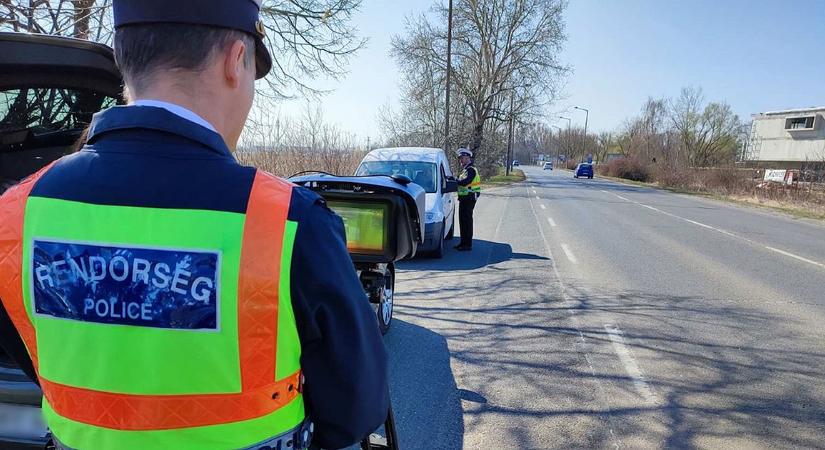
pixel 49 89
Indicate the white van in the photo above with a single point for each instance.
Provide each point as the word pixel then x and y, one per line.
pixel 429 168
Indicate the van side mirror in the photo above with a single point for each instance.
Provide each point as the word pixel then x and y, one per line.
pixel 452 185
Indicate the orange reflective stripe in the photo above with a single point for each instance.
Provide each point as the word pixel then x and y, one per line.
pixel 260 267
pixel 164 412
pixel 12 212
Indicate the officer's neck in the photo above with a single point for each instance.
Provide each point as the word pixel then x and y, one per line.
pixel 204 105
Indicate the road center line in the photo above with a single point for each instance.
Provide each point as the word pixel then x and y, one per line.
pixel 629 363
pixel 725 232
pixel 552 222
pixel 569 254
pixel 543 207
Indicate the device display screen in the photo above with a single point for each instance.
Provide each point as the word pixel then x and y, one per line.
pixel 365 225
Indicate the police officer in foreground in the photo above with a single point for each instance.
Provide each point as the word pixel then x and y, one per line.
pixel 469 189
pixel 168 297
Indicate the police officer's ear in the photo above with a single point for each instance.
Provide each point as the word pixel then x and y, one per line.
pixel 236 62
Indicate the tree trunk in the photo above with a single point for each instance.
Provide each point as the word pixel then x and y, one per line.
pixel 82 17
pixel 478 136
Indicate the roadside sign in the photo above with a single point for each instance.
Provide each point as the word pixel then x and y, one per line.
pixel 775 175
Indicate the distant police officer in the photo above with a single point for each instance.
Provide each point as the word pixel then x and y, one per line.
pixel 469 189
pixel 170 298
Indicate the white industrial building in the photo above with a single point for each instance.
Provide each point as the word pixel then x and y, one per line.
pixel 788 139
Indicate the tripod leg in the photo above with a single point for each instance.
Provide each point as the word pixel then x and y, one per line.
pixel 388 442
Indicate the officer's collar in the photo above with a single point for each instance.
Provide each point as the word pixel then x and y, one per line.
pixel 120 118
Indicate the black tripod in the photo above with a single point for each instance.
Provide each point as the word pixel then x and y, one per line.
pixel 387 442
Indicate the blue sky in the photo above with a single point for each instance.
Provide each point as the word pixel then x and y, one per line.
pixel 757 55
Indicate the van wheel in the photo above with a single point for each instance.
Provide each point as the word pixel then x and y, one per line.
pixel 439 248
pixel 451 233
pixel 384 306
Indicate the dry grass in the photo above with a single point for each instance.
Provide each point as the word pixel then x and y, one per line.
pixel 629 169
pixel 515 176
pixel 291 161
pixel 796 209
pixel 743 186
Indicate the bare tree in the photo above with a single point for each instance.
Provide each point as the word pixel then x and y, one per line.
pixel 502 50
pixel 710 134
pixel 284 145
pixel 309 39
pixel 604 141
pixel 82 19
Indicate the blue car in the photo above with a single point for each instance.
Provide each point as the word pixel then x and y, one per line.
pixel 584 170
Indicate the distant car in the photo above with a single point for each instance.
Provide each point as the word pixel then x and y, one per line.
pixel 584 170
pixel 515 162
pixel 49 89
pixel 548 166
pixel 430 169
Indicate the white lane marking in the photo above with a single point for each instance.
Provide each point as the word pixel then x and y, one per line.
pixel 725 232
pixel 573 311
pixel 782 252
pixel 552 222
pixel 534 190
pixel 538 198
pixel 543 207
pixel 569 254
pixel 606 192
pixel 629 363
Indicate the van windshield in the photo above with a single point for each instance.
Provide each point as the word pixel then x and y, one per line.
pixel 421 173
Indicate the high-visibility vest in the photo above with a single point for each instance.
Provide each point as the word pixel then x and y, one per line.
pixel 474 186
pixel 118 374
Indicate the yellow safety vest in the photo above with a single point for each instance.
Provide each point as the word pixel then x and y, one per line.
pixel 474 186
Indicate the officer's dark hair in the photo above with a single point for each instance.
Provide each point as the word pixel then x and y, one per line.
pixel 141 50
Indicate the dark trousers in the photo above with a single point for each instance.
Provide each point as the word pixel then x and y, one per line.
pixel 466 204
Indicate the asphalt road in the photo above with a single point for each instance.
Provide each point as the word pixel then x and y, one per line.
pixel 592 314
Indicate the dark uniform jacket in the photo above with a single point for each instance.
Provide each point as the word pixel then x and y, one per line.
pixel 149 157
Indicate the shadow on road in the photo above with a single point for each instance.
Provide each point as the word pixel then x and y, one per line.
pixel 425 399
pixel 725 375
pixel 484 253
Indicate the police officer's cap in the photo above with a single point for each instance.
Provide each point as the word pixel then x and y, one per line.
pixel 463 151
pixel 241 15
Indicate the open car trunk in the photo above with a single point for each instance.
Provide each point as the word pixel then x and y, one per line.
pixel 50 87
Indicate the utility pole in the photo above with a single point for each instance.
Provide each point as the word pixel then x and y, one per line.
pixel 586 116
pixel 449 69
pixel 509 162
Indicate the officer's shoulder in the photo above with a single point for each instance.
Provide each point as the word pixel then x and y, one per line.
pixel 304 204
